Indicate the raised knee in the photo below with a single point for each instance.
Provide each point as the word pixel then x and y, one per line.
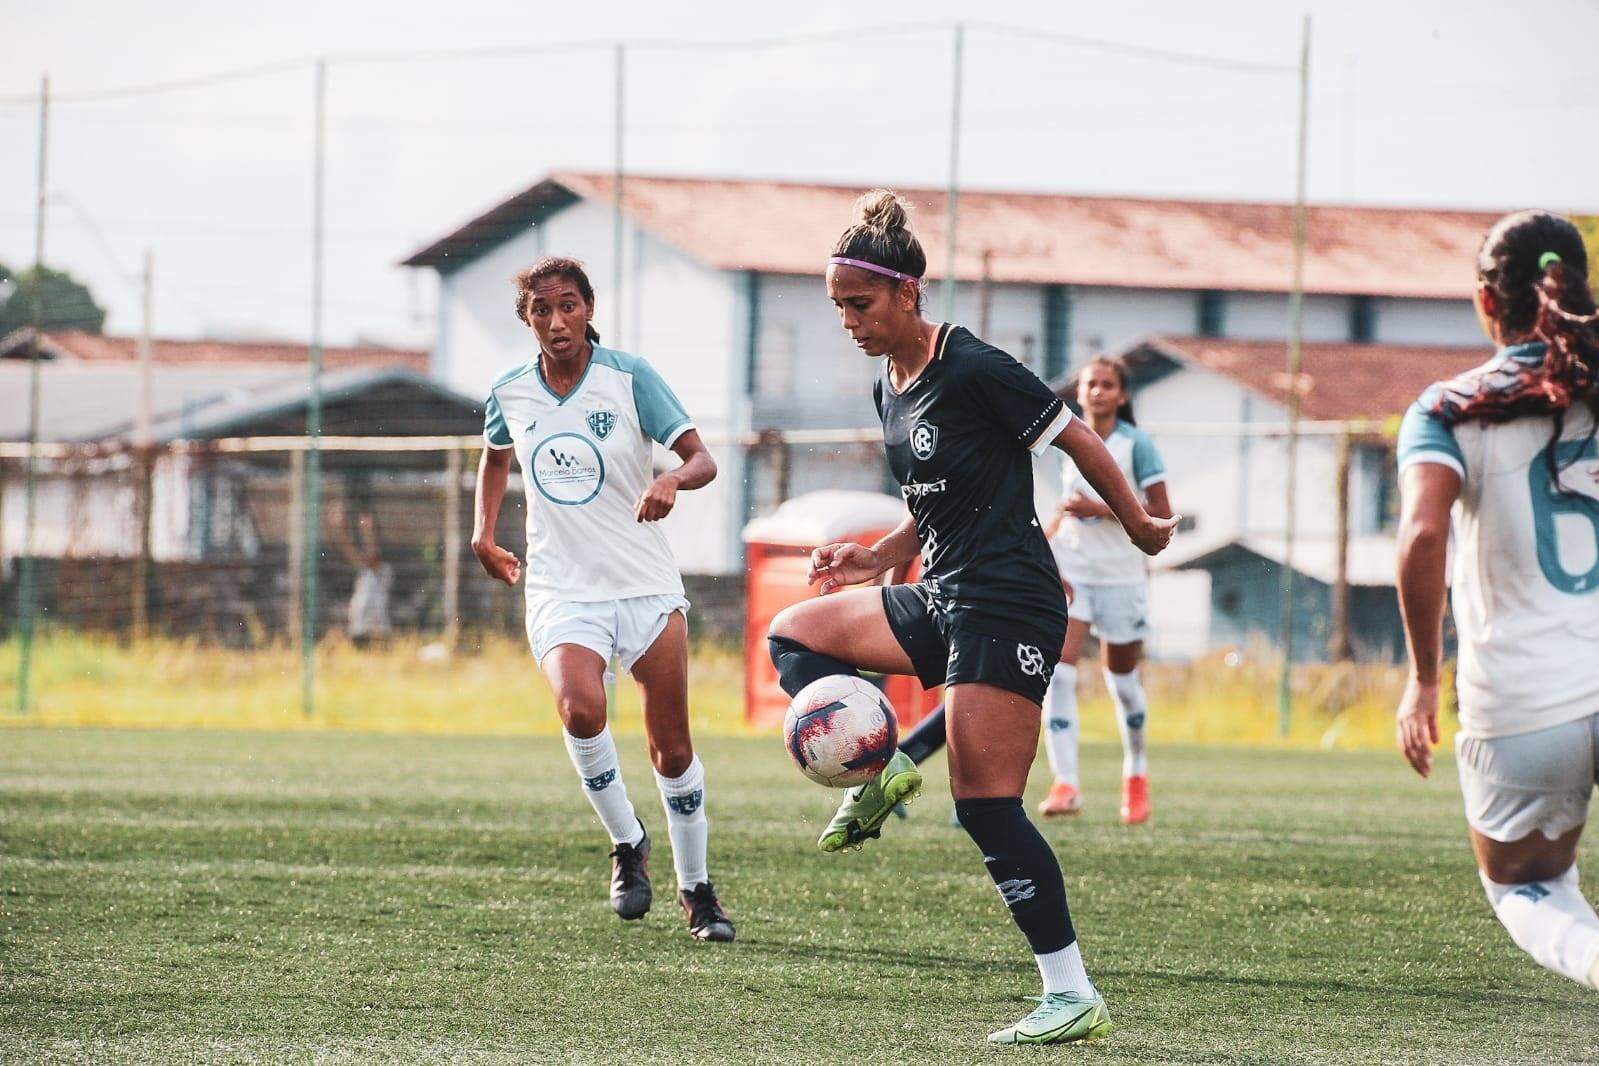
pixel 581 716
pixel 784 625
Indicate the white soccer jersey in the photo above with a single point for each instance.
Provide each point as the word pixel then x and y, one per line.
pixel 1097 551
pixel 586 460
pixel 1525 588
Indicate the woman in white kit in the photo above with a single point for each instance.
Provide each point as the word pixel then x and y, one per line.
pixel 601 580
pixel 1109 580
pixel 1509 447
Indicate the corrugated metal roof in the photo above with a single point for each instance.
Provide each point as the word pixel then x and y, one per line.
pixel 1044 238
pixel 1337 380
pixel 99 348
pixel 1372 559
pixel 98 401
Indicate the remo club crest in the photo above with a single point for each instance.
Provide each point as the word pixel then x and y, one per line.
pixel 924 439
pixel 601 421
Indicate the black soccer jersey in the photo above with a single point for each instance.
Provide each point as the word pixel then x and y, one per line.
pixel 958 440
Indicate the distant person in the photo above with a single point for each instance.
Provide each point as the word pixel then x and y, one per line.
pixel 356 536
pixel 601 580
pixel 961 422
pixel 1110 585
pixel 1510 448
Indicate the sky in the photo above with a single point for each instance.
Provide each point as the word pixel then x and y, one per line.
pixel 1425 103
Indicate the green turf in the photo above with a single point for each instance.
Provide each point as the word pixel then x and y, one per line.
pixel 278 898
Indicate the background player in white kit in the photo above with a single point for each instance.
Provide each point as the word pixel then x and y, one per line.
pixel 1109 582
pixel 1510 448
pixel 600 577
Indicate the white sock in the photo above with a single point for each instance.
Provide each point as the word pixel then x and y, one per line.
pixel 1063 971
pixel 601 774
pixel 1060 723
pixel 684 799
pixel 1132 711
pixel 1552 922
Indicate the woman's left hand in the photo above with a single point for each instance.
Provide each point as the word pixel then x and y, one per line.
pixel 658 499
pixel 1417 725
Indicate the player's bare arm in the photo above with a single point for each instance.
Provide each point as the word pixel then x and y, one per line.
pixel 492 471
pixel 1149 533
pixel 1428 492
pixel 838 565
pixel 697 470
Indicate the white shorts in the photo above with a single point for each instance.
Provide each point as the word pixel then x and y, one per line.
pixel 1539 781
pixel 1116 614
pixel 624 628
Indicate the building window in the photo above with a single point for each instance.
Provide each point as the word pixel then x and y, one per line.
pixel 774 364
pixel 1212 313
pixel 1362 319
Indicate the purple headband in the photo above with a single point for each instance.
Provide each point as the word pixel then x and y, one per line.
pixel 873 267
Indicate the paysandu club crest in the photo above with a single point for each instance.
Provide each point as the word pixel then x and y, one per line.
pixel 601 421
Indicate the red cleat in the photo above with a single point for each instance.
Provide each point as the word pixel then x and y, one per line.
pixel 1135 799
pixel 1063 800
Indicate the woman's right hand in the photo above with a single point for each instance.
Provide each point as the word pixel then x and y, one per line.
pixel 1153 534
pixel 837 565
pixel 500 564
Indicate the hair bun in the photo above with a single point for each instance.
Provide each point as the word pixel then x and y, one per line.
pixel 882 211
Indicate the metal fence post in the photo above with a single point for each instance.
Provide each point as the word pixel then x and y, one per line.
pixel 452 546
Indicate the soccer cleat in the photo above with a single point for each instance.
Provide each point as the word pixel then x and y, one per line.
pixel 1135 799
pixel 865 807
pixel 1063 799
pixel 1060 1018
pixel 631 892
pixel 706 918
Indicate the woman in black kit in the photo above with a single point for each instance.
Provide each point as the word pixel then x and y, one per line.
pixel 960 418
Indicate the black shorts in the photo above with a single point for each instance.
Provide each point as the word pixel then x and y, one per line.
pixel 949 647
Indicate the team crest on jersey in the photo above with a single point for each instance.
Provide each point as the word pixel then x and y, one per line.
pixel 924 439
pixel 601 421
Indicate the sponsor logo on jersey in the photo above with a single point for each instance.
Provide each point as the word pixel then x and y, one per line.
pixel 924 488
pixel 567 469
pixel 599 782
pixel 686 804
pixel 924 439
pixel 1030 659
pixel 601 421
pixel 1016 890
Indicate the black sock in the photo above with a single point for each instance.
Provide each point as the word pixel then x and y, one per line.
pixel 1023 868
pixel 797 665
pixel 924 741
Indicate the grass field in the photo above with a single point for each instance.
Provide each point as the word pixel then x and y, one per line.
pixel 287 897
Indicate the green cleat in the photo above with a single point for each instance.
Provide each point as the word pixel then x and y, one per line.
pixel 866 807
pixel 1060 1018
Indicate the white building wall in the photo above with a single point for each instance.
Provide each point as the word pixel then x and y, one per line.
pixel 1264 316
pixel 681 315
pixel 1427 322
pixel 1104 321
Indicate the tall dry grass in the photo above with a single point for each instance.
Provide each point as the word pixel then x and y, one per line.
pixel 491 686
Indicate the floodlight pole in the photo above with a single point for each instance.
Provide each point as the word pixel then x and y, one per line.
pixel 616 195
pixel 1296 324
pixel 313 411
pixel 25 571
pixel 952 196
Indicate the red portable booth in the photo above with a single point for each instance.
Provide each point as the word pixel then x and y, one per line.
pixel 778 547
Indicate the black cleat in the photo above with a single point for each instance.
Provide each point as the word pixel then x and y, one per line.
pixel 706 918
pixel 630 879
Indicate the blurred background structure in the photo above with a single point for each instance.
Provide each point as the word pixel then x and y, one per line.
pixel 1274 229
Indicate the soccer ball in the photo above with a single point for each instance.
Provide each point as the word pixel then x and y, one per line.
pixel 840 731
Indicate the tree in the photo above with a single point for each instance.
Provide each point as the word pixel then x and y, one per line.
pixel 66 302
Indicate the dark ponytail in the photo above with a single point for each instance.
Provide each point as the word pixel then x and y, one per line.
pixel 555 266
pixel 881 234
pixel 1536 266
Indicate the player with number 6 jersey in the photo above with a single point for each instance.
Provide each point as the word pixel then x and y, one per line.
pixel 1510 448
